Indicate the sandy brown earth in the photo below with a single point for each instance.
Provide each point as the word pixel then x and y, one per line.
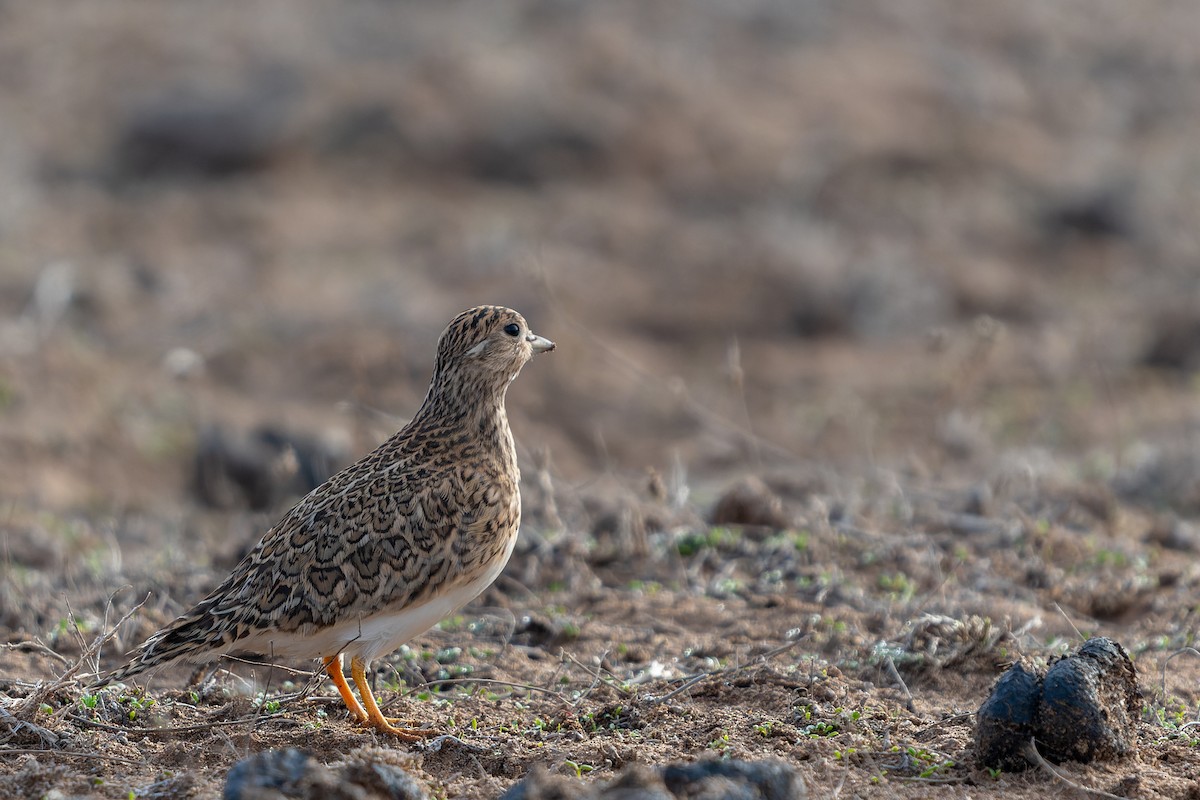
pixel 878 370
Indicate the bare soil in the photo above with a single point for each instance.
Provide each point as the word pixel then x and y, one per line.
pixel 878 370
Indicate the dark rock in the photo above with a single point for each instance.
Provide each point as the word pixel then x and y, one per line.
pixel 31 547
pixel 259 470
pixel 537 631
pixel 1089 705
pixel 541 785
pixel 1175 341
pixel 636 782
pixel 277 774
pixel 705 780
pixel 1165 477
pixel 1173 533
pixel 384 781
pixel 1103 214
pixel 733 780
pixel 294 773
pixel 196 133
pixel 519 146
pixel 1007 720
pixel 530 154
pixel 750 502
pixel 367 132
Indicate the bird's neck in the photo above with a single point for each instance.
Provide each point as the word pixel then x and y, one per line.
pixel 473 409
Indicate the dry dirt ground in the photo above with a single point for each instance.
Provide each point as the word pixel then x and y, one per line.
pixel 912 286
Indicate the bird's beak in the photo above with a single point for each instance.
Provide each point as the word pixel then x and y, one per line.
pixel 539 344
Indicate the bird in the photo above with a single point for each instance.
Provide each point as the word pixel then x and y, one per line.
pixel 388 546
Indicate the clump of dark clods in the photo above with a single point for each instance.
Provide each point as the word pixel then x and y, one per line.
pixel 1082 709
pixel 730 780
pixel 196 134
pixel 1007 720
pixel 1089 704
pixel 1174 342
pixel 750 502
pixel 294 773
pixel 261 469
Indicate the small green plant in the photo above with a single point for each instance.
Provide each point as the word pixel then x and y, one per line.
pixel 898 585
pixel 714 538
pixel 579 769
pixel 1171 714
pixel 721 743
pixel 727 586
pixel 820 730
pixel 448 655
pixel 137 705
pixel 267 705
pixel 926 761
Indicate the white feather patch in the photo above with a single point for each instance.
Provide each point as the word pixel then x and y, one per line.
pixel 479 348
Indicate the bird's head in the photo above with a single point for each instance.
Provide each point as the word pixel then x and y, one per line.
pixel 488 344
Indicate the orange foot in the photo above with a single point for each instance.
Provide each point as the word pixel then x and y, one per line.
pixel 374 717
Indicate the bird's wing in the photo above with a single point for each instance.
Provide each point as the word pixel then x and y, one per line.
pixel 365 544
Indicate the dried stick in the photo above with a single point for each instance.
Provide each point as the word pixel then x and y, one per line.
pixel 1032 754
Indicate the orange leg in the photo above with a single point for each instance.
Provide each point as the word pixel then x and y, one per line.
pixel 375 717
pixel 333 665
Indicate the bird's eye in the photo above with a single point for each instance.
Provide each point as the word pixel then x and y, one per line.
pixel 512 329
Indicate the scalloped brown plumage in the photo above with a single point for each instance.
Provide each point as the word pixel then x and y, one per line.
pixel 388 546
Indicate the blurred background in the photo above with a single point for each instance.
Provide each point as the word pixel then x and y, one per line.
pixel 768 236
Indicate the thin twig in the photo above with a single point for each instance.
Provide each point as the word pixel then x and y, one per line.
pixel 691 680
pixel 1032 754
pixel 1162 672
pixel 525 686
pixel 174 731
pixel 15 725
pixel 610 682
pixel 35 646
pixel 98 643
pixel 437 742
pixel 591 688
pixel 307 673
pixel 71 754
pixel 895 673
pixel 29 705
pixel 689 683
pixel 931 780
pixel 953 718
pixel 1060 610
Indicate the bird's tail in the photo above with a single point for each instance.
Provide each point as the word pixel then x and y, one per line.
pixel 190 637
